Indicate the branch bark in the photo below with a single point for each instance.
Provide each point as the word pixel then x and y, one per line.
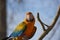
pixel 50 27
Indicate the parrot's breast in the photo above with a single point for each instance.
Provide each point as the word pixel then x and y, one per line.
pixel 30 27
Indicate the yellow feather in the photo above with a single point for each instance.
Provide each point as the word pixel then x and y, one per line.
pixel 20 27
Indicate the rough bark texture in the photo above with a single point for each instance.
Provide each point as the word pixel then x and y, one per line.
pixel 50 27
pixel 2 18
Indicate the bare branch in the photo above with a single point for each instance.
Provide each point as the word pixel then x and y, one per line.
pixel 51 26
pixel 45 24
pixel 40 21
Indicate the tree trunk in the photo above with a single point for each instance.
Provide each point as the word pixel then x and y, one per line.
pixel 2 18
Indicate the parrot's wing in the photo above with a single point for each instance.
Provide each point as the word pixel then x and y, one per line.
pixel 33 32
pixel 19 30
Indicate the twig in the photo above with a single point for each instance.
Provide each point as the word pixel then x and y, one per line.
pixel 40 21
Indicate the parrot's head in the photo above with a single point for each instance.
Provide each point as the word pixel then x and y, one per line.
pixel 29 16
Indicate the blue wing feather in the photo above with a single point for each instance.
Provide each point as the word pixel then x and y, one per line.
pixel 17 32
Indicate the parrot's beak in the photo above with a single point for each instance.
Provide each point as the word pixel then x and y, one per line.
pixel 29 18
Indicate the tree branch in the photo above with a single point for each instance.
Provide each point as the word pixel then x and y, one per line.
pixel 50 27
pixel 40 21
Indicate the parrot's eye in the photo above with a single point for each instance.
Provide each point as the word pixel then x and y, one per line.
pixel 29 17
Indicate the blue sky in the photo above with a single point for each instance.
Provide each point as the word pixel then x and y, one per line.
pixel 46 8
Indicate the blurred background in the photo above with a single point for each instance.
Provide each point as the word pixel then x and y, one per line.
pixel 12 12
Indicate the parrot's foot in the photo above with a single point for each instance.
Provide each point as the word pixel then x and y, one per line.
pixel 24 38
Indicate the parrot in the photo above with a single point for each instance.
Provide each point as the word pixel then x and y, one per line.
pixel 24 30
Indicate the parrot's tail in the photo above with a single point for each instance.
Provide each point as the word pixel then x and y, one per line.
pixel 6 38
